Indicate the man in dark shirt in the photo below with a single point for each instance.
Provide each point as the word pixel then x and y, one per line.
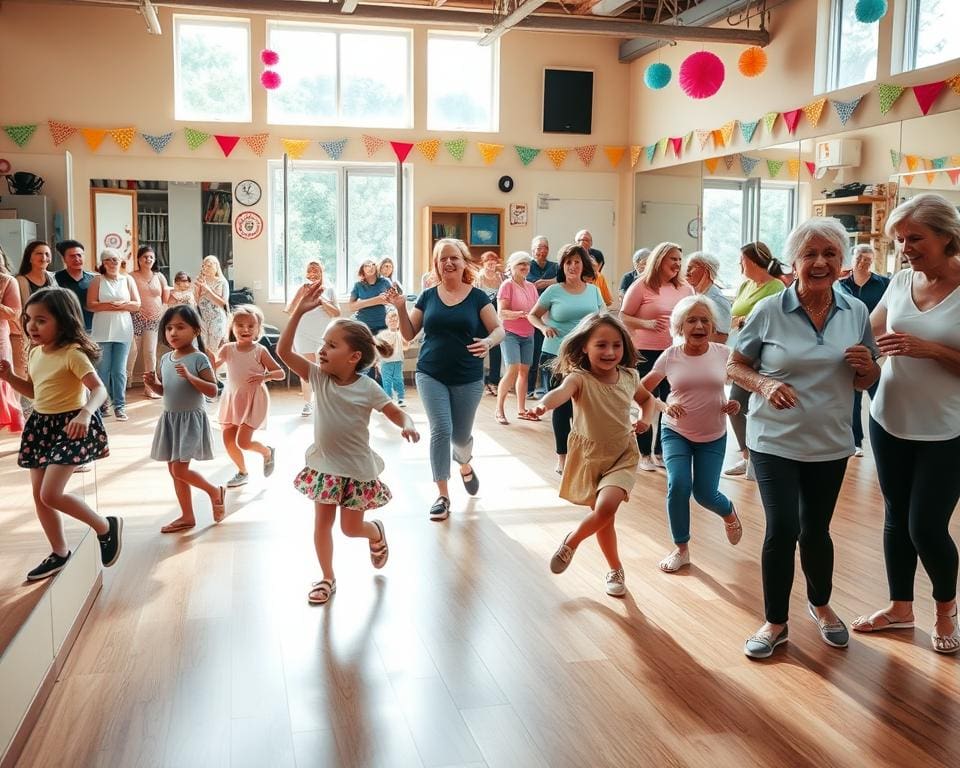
pixel 543 274
pixel 74 277
pixel 639 260
pixel 585 240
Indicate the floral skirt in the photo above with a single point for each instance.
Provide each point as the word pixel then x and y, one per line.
pixel 45 441
pixel 344 492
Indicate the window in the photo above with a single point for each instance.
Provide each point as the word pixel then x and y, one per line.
pixel 211 69
pixel 337 76
pixel 852 55
pixel 462 93
pixel 339 215
pixel 930 33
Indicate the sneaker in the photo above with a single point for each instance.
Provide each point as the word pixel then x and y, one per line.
pixel 270 464
pixel 647 465
pixel 401 403
pixel 658 460
pixel 763 644
pixel 440 509
pixel 749 475
pixel 105 409
pixel 51 565
pixel 241 478
pixel 111 541
pixel 615 585
pixel 121 414
pixel 737 470
pixel 307 409
pixel 858 452
pixel 562 557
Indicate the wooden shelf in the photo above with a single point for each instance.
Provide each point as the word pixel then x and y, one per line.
pixel 861 200
pixel 457 222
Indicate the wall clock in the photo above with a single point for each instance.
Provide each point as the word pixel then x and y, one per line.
pixel 247 192
pixel 505 184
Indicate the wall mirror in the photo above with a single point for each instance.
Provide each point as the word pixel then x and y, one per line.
pixel 113 213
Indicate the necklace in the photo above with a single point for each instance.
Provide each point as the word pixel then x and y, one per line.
pixel 818 312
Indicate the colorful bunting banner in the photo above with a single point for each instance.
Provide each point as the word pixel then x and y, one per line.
pixel 748 129
pixel 372 143
pixel 586 153
pixel 773 167
pixel 257 143
pixel 687 139
pixel 814 110
pixel 634 154
pixel 711 164
pixel 677 144
pixel 930 176
pixel 456 148
pixel 770 120
pixel 93 137
pixel 729 160
pixel 726 130
pixel 811 167
pixel 954 83
pixel 888 96
pixel 927 94
pixel 429 148
pixel 717 138
pixel 227 143
pixel 489 152
pixel 747 164
pixel 401 149
pixel 662 147
pixel 557 155
pixel 614 155
pixel 908 178
pixel 651 150
pixel 60 131
pixel 123 137
pixel 912 162
pixel 954 175
pixel 793 168
pixel 334 149
pixel 19 133
pixel 940 163
pixel 527 154
pixel 895 158
pixel 195 138
pixel 295 147
pixel 157 143
pixel 703 137
pixel 845 109
pixel 791 119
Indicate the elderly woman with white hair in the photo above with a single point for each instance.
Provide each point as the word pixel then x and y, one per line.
pixel 212 292
pixel 703 269
pixel 516 297
pixel 802 353
pixel 694 423
pixel 915 418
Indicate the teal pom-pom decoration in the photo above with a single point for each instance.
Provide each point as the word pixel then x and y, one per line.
pixel 869 11
pixel 657 76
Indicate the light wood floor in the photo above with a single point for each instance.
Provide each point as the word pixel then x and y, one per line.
pixel 465 650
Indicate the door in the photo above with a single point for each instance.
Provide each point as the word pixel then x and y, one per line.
pixel 668 223
pixel 559 220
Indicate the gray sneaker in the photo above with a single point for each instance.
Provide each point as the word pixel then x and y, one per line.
pixel 834 634
pixel 270 464
pixel 762 644
pixel 615 585
pixel 239 479
pixel 562 557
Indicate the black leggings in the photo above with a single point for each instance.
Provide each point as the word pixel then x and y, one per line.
pixel 921 485
pixel 662 390
pixel 562 416
pixel 798 501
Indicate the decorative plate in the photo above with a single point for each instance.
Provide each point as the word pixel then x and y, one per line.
pixel 249 225
pixel 112 240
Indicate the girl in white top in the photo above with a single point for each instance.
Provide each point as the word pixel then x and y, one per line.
pixel 309 335
pixel 341 469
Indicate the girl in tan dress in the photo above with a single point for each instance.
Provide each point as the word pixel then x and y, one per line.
pixel 598 362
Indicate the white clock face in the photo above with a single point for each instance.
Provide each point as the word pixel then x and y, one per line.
pixel 247 192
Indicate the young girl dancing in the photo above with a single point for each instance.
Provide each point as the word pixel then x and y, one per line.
pixel 341 468
pixel 183 431
pixel 64 430
pixel 599 362
pixel 246 402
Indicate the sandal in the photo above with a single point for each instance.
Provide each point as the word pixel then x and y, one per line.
pixel 321 591
pixel 501 419
pixel 675 561
pixel 871 623
pixel 379 551
pixel 219 508
pixel 734 530
pixel 527 416
pixel 947 643
pixel 178 525
pixel 491 390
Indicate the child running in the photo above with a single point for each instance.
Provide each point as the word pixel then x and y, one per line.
pixel 183 431
pixel 246 402
pixel 391 366
pixel 64 430
pixel 342 470
pixel 599 362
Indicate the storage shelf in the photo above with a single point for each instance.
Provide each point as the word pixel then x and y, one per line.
pixel 861 200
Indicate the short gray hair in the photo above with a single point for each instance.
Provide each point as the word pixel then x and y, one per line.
pixel 708 261
pixel 518 257
pixel 826 227
pixel 538 239
pixel 930 210
pixel 640 255
pixel 685 306
pixel 862 248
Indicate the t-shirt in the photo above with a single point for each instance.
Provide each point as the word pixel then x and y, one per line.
pixel 749 293
pixel 548 271
pixel 395 339
pixel 375 317
pixel 57 378
pixel 722 303
pixel 870 292
pixel 627 280
pixel 643 303
pixel 696 383
pixel 601 282
pixel 179 395
pixel 79 289
pixel 566 310
pixel 919 399
pixel 341 426
pixel 446 333
pixel 522 298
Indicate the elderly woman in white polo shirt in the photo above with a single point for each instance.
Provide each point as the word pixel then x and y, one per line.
pixel 802 353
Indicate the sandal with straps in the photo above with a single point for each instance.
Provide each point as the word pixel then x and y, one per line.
pixel 674 561
pixel 219 508
pixel 321 591
pixel 947 643
pixel 379 551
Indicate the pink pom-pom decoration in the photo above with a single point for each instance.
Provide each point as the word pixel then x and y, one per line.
pixel 269 58
pixel 701 75
pixel 270 80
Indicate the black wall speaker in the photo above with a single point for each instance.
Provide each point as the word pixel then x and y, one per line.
pixel 567 101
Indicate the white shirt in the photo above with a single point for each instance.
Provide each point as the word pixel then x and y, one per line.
pixel 919 399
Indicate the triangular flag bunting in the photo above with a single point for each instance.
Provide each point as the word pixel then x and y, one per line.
pixel 703 136
pixel 19 133
pixel 930 176
pixel 811 167
pixel 334 149
pixel 773 167
pixel 586 153
pixel 123 137
pixel 677 144
pixel 614 155
pixel 651 150
pixel 791 119
pixel 845 109
pixel 729 160
pixel 429 148
pixel 157 143
pixel 60 131
pixel 257 143
pixel 372 143
pixel 747 164
pixel 718 138
pixel 814 110
pixel 401 149
pixel 557 155
pixel 490 152
pixel 526 154
pixel 634 154
pixel 955 160
pixel 93 137
pixel 912 161
pixel 295 147
pixel 726 130
pixel 770 119
pixel 195 138
pixel 908 178
pixel 711 163
pixel 748 129
pixel 895 158
pixel 888 96
pixel 927 94
pixel 954 174
pixel 954 83
pixel 227 143
pixel 456 148
pixel 662 146
pixel 793 168
pixel 940 162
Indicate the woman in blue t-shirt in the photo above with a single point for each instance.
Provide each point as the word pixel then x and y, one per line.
pixel 367 297
pixel 459 326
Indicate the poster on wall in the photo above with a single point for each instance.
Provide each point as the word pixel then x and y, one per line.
pixel 249 225
pixel 518 214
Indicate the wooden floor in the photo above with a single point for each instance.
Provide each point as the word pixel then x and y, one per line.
pixel 465 650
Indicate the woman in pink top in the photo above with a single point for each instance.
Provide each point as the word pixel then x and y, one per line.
pixel 154 294
pixel 647 306
pixel 515 299
pixel 694 430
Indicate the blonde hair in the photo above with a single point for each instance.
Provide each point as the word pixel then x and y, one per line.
pixel 469 271
pixel 573 355
pixel 932 211
pixel 651 270
pixel 360 339
pixel 249 310
pixel 211 259
pixel 685 306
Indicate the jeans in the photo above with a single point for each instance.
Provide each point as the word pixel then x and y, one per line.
pixel 921 487
pixel 858 413
pixel 798 501
pixel 538 380
pixel 662 390
pixel 562 416
pixel 392 374
pixel 112 370
pixel 517 350
pixel 451 409
pixel 692 467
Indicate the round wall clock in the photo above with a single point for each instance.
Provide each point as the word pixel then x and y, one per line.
pixel 249 225
pixel 505 184
pixel 247 192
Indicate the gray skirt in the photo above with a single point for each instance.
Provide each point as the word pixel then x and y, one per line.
pixel 183 436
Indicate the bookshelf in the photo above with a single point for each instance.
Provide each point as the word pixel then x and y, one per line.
pixel 864 218
pixel 480 228
pixel 217 212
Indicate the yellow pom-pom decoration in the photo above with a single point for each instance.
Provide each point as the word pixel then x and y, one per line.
pixel 753 61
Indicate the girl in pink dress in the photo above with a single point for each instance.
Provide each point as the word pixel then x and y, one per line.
pixel 245 402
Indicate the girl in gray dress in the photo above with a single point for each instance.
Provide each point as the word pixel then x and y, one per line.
pixel 183 431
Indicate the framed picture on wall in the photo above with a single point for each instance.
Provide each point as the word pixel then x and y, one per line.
pixel 484 229
pixel 518 214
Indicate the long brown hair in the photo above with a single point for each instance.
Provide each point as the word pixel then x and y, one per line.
pixel 64 307
pixel 651 270
pixel 760 254
pixel 573 349
pixel 570 251
pixel 360 339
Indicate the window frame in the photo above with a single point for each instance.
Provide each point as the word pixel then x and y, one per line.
pixel 906 37
pixel 829 58
pixel 493 126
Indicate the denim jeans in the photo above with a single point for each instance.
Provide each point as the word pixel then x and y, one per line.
pixel 451 410
pixel 662 390
pixel 112 370
pixel 692 468
pixel 392 374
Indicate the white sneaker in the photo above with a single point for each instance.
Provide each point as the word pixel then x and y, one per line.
pixel 858 453
pixel 750 474
pixel 738 469
pixel 615 585
pixel 307 409
pixel 647 465
pixel 658 460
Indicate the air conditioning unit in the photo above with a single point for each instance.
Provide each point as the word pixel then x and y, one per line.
pixel 836 153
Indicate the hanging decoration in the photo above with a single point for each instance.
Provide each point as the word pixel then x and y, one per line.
pixel 677 144
pixel 634 155
pixel 747 164
pixel 60 132
pixel 908 178
pixel 845 109
pixel 651 150
pixel 93 137
pixel 429 148
pixel 701 75
pixel 662 147
pixel 157 143
pixel 195 138
pixel 687 139
pixel 123 137
pixel 401 149
pixel 793 168
pixel 870 11
pixel 269 78
pixel 269 58
pixel 954 83
pixel 927 94
pixel 930 176
pixel 20 134
pixel 703 137
pixel 227 143
pixel 813 111
pixel 527 154
pixel 811 167
pixel 729 160
pixel 791 119
pixel 711 163
pixel 912 162
pixel 888 96
pixel 773 167
pixel 770 120
pixel 295 147
pixel 372 143
pixel 657 76
pixel 614 155
pixel 586 153
pixel 333 149
pixel 718 138
pixel 895 158
pixel 954 174
pixel 752 62
pixel 557 155
pixel 257 143
pixel 939 162
pixel 727 129
pixel 456 148
pixel 748 129
pixel 490 152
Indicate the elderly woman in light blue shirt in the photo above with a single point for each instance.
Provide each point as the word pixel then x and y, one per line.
pixel 803 353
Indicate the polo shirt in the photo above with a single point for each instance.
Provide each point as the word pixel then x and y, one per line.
pixel 783 340
pixel 79 289
pixel 548 271
pixel 870 292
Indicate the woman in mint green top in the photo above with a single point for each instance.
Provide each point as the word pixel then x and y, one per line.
pixel 762 272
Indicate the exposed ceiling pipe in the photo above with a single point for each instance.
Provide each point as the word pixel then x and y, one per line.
pixel 519 14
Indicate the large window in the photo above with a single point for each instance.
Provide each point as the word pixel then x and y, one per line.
pixel 852 52
pixel 337 76
pixel 339 215
pixel 211 69
pixel 462 93
pixel 931 30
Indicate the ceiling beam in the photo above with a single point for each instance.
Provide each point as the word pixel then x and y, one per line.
pixel 349 6
pixel 606 7
pixel 520 13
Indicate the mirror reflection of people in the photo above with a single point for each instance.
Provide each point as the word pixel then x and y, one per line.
pixel 703 271
pixel 387 270
pixel 154 295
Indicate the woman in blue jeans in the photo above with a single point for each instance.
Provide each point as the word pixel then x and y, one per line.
pixel 459 326
pixel 694 425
